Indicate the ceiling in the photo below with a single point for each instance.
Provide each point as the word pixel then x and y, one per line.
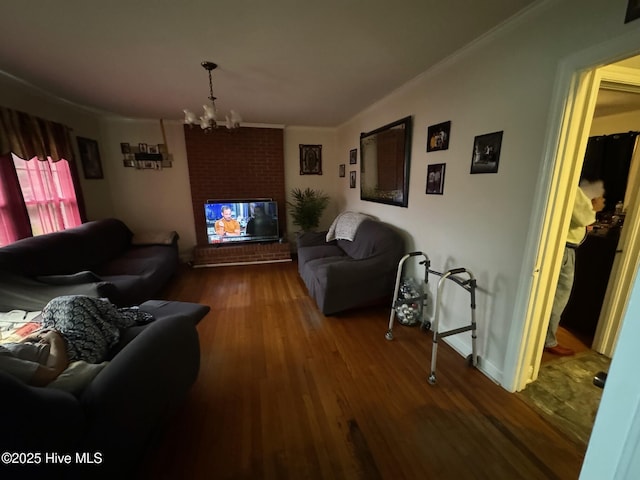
pixel 280 61
pixel 613 102
pixel 619 98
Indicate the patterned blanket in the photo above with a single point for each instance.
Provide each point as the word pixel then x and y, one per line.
pixel 345 226
pixel 90 326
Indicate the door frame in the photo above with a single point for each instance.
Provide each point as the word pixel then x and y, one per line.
pixel 573 103
pixel 627 256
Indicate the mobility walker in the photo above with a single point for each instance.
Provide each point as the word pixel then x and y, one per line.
pixel 410 302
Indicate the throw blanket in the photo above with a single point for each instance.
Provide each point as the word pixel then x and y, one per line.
pixel 345 226
pixel 90 326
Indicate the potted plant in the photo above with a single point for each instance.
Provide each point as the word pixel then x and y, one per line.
pixel 306 207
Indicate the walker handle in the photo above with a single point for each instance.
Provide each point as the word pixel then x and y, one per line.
pixel 414 254
pixel 455 271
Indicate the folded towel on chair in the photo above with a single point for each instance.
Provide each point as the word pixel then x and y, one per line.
pixel 345 226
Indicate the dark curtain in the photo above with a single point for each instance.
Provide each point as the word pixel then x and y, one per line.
pixel 27 137
pixel 608 158
pixel 13 196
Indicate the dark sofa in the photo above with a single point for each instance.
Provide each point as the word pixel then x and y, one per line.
pixel 342 274
pixel 116 416
pixel 102 258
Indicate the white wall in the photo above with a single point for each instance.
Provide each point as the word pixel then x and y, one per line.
pixel 329 182
pixel 150 200
pixel 482 222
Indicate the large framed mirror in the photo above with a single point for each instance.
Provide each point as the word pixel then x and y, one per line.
pixel 384 163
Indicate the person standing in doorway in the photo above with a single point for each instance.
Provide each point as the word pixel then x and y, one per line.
pixel 589 200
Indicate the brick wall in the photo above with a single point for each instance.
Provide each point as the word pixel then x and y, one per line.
pixel 229 164
pixel 241 254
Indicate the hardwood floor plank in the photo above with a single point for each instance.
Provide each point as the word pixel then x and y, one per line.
pixel 285 392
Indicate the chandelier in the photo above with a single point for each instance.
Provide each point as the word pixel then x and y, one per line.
pixel 209 120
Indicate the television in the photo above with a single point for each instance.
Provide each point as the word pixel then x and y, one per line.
pixel 237 221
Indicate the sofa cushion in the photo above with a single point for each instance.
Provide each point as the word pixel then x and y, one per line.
pixel 51 254
pixel 102 240
pixel 68 251
pixel 307 254
pixel 372 238
pixel 155 238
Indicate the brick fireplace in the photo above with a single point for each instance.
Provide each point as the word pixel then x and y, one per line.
pixel 229 164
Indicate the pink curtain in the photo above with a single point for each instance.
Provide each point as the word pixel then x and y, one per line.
pixel 49 196
pixel 48 182
pixel 14 218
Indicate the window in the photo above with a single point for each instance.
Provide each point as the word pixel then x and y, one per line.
pixel 47 188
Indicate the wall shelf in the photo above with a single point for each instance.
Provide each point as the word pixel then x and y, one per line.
pixel 146 156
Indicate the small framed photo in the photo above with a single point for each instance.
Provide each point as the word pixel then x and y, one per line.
pixel 353 156
pixel 341 170
pixel 90 158
pixel 152 148
pixel 352 179
pixel 125 148
pixel 310 159
pixel 142 147
pixel 438 136
pixel 435 178
pixel 129 161
pixel 486 153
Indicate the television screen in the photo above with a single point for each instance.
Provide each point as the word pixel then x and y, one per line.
pixel 241 221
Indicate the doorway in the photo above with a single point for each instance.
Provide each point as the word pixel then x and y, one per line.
pixel 617 85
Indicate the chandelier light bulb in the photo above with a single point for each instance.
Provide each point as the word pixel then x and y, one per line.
pixel 234 120
pixel 208 121
pixel 189 117
pixel 210 112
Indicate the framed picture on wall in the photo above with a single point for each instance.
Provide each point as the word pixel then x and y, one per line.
pixel 341 170
pixel 310 159
pixel 90 158
pixel 438 136
pixel 486 153
pixel 353 156
pixel 435 179
pixel 352 179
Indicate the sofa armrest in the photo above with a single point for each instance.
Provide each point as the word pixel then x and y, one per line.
pixel 23 293
pixel 140 386
pixel 72 279
pixel 38 419
pixel 310 239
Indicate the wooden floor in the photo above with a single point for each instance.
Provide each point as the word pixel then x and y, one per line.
pixel 287 393
pixel 569 339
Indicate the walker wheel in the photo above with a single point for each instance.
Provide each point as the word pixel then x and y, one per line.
pixel 470 360
pixel 426 326
pixel 388 335
pixel 432 379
